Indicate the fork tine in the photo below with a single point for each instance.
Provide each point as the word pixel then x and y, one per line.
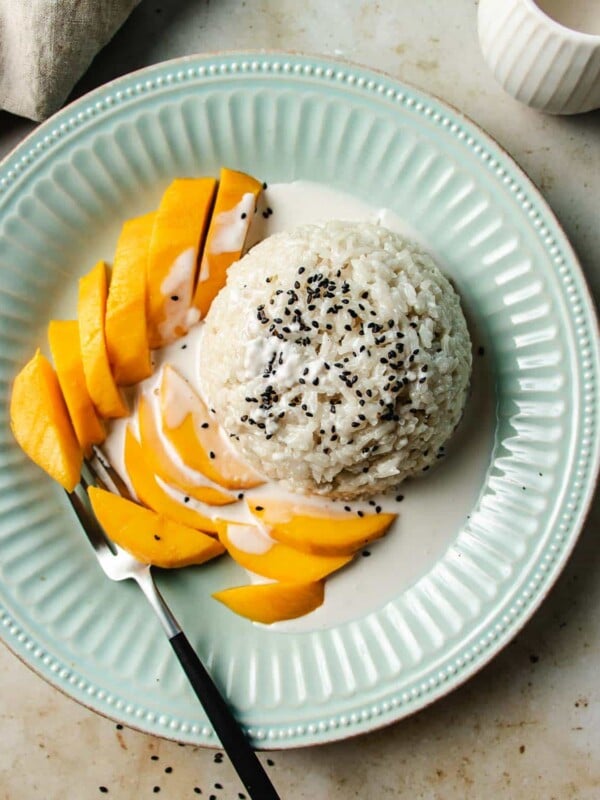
pixel 93 530
pixel 106 475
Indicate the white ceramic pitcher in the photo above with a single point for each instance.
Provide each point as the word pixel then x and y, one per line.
pixel 546 53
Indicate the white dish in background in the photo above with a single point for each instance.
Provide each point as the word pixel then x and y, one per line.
pixel 537 58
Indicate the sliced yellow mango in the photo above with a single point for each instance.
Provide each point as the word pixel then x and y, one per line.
pixel 91 311
pixel 177 239
pixel 151 494
pixel 40 422
pixel 273 602
pixel 310 530
pixel 234 208
pixel 63 336
pixel 195 435
pixel 151 537
pixel 126 329
pixel 251 549
pixel 161 463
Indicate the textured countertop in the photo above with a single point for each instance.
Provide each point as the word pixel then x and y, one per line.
pixel 528 725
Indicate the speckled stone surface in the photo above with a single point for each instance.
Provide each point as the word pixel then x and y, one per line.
pixel 528 725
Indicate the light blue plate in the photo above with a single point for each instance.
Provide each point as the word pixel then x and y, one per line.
pixel 63 195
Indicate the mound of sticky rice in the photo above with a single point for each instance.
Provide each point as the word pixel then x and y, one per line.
pixel 337 358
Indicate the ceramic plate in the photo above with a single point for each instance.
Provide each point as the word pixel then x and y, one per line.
pixel 63 195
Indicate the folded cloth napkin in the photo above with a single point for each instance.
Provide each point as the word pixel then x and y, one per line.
pixel 46 45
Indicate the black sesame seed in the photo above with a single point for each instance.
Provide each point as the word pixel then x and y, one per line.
pixel 218 786
pixel 119 727
pixel 157 538
pixel 362 513
pixel 301 270
pixel 204 425
pixel 269 211
pixel 156 789
pixel 153 758
pixel 366 553
pixel 197 790
pixel 347 508
pixel 103 789
pixel 211 454
pixel 399 498
pixel 168 770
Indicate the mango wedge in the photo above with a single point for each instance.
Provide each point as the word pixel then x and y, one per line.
pixel 194 433
pixel 63 336
pixel 233 212
pixel 91 311
pixel 177 239
pixel 252 550
pixel 273 602
pixel 161 463
pixel 126 329
pixel 151 537
pixel 311 531
pixel 40 422
pixel 151 494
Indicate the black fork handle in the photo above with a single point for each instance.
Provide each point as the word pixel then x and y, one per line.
pixel 236 745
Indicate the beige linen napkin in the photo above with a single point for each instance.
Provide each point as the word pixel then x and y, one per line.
pixel 46 45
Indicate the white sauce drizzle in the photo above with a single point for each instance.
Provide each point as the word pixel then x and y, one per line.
pixel 178 284
pixel 249 539
pixel 228 231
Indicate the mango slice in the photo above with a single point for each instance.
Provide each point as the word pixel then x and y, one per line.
pixel 195 435
pixel 91 311
pixel 177 240
pixel 40 422
pixel 151 537
pixel 273 602
pixel 233 212
pixel 311 531
pixel 251 549
pixel 126 329
pixel 153 495
pixel 161 463
pixel 63 337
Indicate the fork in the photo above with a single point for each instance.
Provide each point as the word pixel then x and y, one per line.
pixel 120 565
